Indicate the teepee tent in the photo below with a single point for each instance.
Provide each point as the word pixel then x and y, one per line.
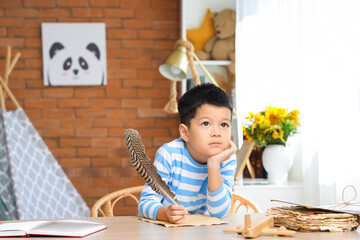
pixel 35 186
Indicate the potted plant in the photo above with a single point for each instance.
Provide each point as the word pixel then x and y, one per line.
pixel 271 129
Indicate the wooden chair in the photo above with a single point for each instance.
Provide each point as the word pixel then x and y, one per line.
pixel 105 205
pixel 238 201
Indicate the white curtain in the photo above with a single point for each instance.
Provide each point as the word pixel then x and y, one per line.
pixel 305 55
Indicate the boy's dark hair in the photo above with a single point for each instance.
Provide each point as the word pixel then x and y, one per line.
pixel 205 93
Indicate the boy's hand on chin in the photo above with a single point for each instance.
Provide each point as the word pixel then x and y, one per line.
pixel 224 155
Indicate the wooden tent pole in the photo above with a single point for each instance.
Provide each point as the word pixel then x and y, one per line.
pixel 7 90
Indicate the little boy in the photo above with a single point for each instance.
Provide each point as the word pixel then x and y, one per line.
pixel 199 166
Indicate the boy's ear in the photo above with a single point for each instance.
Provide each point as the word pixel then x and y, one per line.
pixel 183 130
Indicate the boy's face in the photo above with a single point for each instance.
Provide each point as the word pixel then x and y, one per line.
pixel 209 132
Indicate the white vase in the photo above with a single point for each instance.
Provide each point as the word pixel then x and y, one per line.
pixel 277 161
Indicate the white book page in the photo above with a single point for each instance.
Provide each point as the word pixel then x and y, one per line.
pixel 18 228
pixel 67 228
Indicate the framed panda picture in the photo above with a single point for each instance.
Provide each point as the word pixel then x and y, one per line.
pixel 74 54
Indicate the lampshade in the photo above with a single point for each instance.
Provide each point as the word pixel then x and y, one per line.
pixel 175 66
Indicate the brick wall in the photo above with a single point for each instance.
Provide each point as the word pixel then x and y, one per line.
pixel 84 126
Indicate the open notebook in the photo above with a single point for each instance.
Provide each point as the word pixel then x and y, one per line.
pixel 59 228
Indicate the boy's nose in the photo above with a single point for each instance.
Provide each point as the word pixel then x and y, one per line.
pixel 215 131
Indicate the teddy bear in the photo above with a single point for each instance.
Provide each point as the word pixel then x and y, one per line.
pixel 222 45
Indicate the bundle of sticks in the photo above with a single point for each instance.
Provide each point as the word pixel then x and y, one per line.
pixel 300 218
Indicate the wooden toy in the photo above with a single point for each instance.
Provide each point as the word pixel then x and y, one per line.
pixel 263 225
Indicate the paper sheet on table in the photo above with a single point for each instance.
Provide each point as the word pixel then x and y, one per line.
pixel 190 220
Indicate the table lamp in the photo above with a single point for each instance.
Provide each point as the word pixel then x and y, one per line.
pixel 175 68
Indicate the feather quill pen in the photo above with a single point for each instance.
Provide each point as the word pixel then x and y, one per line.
pixel 143 165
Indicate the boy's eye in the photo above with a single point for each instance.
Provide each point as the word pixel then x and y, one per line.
pixel 205 124
pixel 224 125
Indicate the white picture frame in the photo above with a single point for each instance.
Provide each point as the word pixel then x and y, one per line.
pixel 74 54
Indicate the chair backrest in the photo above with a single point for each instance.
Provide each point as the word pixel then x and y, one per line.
pixel 105 205
pixel 238 201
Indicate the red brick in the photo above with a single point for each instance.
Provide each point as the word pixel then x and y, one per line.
pixel 136 4
pixel 93 172
pixel 121 92
pixel 121 53
pixel 138 43
pixel 153 34
pixel 117 132
pixel 74 162
pixel 72 3
pixel 74 102
pixel 141 123
pixel 105 142
pixel 166 24
pixel 58 92
pixel 11 22
pixel 46 123
pixel 21 12
pixel 151 112
pixel 60 132
pixel 153 93
pixel 12 3
pixel 75 142
pixel 33 63
pixel 58 113
pixel 164 45
pixel 92 152
pixel 137 24
pixel 120 113
pixel 49 12
pixel 121 33
pixel 165 4
pixel 76 122
pixel 91 132
pixel 106 162
pixel 87 12
pixel 83 181
pixel 63 152
pixel 152 54
pixel 108 122
pixel 40 103
pixel 135 103
pixel 137 64
pixel 105 3
pixel 133 181
pixel 110 23
pixel 119 12
pixel 141 83
pixel 92 192
pixel 122 73
pixel 34 113
pixel 106 103
pixel 150 14
pixel 90 112
pixel 27 93
pixel 89 93
pixel 14 42
pixel 107 182
pixel 39 3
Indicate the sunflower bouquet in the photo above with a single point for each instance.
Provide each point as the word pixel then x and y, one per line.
pixel 271 126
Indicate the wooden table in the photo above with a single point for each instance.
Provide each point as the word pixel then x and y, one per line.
pixel 129 227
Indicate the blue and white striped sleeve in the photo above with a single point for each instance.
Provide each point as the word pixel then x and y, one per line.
pixel 219 201
pixel 150 201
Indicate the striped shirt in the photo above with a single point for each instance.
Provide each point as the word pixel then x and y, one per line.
pixel 188 180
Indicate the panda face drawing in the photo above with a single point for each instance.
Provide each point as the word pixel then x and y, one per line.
pixel 81 67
